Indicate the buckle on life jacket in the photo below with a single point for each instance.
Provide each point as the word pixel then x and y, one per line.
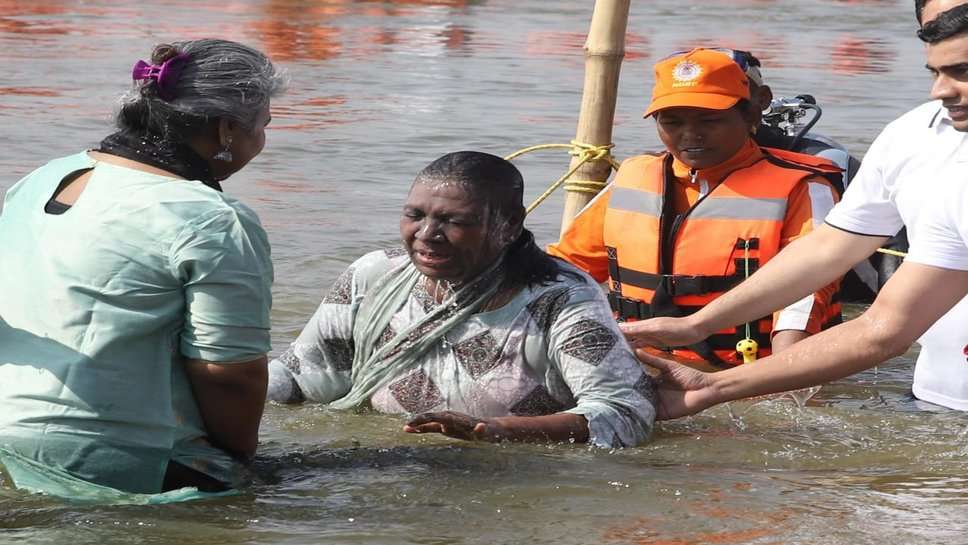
pixel 627 308
pixel 685 285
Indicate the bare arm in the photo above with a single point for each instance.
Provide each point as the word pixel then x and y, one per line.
pixel 786 338
pixel 231 398
pixel 803 267
pixel 915 297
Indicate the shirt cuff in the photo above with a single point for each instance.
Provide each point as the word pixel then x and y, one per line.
pixel 609 428
pixel 917 255
pixel 858 228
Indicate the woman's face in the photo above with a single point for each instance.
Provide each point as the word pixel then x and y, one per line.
pixel 246 144
pixel 702 138
pixel 447 233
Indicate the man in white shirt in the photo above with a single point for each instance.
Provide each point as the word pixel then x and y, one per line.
pixel 901 172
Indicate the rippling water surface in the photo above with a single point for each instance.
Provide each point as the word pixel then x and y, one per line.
pixel 378 90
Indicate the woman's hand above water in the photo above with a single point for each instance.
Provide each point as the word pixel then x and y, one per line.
pixel 560 427
pixel 456 425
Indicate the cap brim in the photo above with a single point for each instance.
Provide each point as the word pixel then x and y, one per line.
pixel 709 101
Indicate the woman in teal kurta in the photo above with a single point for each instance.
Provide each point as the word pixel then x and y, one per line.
pixel 134 320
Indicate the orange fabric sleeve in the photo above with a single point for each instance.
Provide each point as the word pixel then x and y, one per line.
pixel 583 243
pixel 801 217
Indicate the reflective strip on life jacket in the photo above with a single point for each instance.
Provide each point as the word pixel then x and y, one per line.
pixel 630 199
pixel 741 208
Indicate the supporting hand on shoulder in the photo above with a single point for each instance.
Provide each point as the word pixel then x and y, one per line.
pixel 663 332
pixel 682 390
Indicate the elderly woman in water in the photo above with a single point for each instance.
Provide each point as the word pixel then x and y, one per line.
pixel 471 329
pixel 134 319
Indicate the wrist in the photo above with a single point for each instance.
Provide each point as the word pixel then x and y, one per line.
pixel 699 325
pixel 728 385
pixel 495 430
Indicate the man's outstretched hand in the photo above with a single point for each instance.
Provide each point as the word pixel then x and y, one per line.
pixel 662 332
pixel 682 389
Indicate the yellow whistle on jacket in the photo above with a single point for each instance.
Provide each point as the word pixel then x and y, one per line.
pixel 748 348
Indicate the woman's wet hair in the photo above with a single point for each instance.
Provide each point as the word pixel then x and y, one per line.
pixel 500 187
pixel 947 24
pixel 221 79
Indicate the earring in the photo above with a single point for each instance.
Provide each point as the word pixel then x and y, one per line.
pixel 226 153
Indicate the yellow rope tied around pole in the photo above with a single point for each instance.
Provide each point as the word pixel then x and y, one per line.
pixel 585 186
pixel 586 153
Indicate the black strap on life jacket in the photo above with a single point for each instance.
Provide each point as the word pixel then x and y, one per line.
pixel 835 178
pixel 666 286
pixel 682 284
pixel 662 305
pixel 614 271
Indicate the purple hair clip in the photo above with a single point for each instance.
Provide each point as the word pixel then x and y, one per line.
pixel 165 76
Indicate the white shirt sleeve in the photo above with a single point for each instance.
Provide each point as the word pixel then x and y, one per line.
pixel 797 315
pixel 941 239
pixel 868 206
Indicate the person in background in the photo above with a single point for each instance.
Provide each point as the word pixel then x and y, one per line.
pixel 770 135
pixel 901 178
pixel 782 127
pixel 673 232
pixel 134 321
pixel 471 329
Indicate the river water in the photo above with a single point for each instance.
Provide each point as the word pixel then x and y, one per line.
pixel 378 90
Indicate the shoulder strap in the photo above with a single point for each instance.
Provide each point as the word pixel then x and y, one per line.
pixel 808 163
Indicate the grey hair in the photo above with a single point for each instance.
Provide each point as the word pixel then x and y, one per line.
pixel 220 80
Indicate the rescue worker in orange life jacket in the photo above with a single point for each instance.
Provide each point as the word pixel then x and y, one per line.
pixel 673 232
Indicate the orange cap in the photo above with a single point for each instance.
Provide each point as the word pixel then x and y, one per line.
pixel 701 78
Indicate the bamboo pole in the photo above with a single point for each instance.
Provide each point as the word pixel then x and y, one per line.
pixel 604 49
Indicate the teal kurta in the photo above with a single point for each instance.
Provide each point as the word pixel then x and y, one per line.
pixel 98 308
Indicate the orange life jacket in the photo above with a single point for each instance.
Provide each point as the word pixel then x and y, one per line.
pixel 664 265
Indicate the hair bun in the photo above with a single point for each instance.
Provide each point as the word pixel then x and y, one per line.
pixel 163 52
